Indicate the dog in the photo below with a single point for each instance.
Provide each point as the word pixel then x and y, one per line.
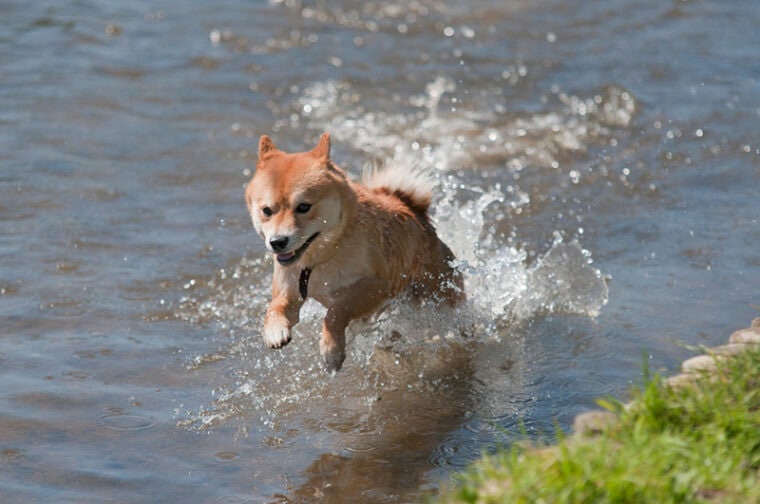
pixel 351 246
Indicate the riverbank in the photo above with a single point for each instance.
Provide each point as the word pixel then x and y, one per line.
pixel 693 437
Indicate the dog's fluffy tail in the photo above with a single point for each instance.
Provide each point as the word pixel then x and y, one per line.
pixel 410 184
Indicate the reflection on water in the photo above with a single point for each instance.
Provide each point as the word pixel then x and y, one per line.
pixel 595 171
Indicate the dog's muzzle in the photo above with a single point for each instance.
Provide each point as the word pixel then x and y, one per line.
pixel 279 244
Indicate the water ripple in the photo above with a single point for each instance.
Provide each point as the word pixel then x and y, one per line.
pixel 126 421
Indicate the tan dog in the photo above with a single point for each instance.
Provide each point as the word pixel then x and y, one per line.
pixel 347 245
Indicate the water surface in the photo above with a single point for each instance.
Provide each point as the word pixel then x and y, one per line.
pixel 597 170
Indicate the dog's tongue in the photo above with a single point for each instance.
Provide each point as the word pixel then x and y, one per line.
pixel 286 257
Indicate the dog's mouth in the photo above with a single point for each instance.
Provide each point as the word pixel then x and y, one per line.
pixel 291 257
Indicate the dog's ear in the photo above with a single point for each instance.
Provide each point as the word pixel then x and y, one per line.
pixel 266 147
pixel 322 150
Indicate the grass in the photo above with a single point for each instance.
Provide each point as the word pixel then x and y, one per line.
pixel 697 443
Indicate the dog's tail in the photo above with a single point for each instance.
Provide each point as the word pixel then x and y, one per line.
pixel 408 183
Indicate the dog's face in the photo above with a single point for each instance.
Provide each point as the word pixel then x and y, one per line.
pixel 295 200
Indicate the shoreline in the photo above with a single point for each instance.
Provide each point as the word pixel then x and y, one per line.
pixel 594 422
pixel 690 437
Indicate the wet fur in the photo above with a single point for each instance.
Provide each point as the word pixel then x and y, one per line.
pixel 363 243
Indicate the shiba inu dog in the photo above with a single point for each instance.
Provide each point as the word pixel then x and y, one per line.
pixel 351 246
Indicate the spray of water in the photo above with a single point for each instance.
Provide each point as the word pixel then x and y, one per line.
pixel 503 286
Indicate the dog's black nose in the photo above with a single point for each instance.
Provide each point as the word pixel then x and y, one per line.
pixel 279 243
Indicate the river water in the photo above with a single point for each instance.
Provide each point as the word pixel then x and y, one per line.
pixel 597 171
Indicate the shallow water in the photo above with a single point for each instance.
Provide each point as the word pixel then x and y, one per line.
pixel 597 170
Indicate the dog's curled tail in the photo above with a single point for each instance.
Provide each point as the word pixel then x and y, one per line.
pixel 410 184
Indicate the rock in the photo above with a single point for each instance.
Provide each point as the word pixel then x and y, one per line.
pixel 728 350
pixel 592 423
pixel 681 380
pixel 701 363
pixel 749 335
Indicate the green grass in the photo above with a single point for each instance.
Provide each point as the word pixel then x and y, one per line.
pixel 697 443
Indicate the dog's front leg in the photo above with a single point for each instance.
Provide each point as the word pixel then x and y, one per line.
pixel 358 300
pixel 283 311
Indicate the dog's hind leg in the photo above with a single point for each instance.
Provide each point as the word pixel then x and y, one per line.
pixel 356 301
pixel 439 282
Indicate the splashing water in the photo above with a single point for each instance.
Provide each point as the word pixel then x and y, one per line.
pixel 499 283
pixel 441 134
pixel 404 347
pixel 498 280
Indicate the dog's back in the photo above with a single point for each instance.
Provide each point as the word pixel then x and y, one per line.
pixel 405 193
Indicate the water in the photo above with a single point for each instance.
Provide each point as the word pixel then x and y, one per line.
pixel 596 167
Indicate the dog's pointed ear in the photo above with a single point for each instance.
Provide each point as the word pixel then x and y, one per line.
pixel 266 147
pixel 322 150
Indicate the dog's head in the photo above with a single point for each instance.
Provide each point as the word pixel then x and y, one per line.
pixel 295 200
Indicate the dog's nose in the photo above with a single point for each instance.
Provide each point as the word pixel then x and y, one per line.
pixel 279 243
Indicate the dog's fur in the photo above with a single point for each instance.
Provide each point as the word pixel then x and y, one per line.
pixel 350 246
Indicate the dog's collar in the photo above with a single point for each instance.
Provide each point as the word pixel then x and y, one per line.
pixel 303 282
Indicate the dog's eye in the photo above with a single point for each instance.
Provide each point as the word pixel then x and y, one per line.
pixel 267 211
pixel 303 208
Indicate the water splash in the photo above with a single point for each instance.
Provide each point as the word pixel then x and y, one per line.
pixel 434 130
pixel 405 347
pixel 500 281
pixel 405 138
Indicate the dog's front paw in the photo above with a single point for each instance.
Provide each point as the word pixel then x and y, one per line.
pixel 276 335
pixel 332 356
